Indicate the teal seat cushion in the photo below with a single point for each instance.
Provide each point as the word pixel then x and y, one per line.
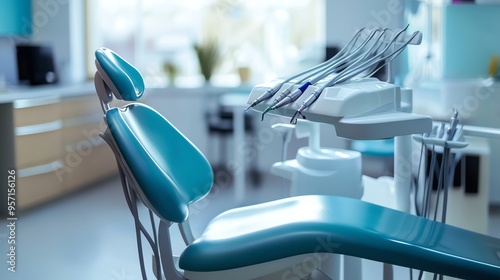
pixel 170 170
pixel 313 224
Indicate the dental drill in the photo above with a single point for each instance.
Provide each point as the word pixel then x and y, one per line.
pixel 354 70
pixel 338 63
pixel 273 90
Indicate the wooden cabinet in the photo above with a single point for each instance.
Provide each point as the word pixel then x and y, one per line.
pixel 58 148
pixel 86 157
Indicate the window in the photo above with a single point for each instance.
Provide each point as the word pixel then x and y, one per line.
pixel 271 38
pixel 425 62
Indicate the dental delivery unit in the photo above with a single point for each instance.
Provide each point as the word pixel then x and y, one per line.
pixel 333 210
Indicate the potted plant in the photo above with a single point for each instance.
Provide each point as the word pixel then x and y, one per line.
pixel 171 70
pixel 208 57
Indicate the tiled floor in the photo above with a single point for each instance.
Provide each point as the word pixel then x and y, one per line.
pixel 90 235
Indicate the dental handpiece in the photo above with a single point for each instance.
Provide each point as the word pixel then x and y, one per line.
pixel 266 95
pixel 294 95
pixel 453 126
pixel 315 95
pixel 350 74
pixel 324 68
pixel 272 91
pixel 280 97
pixel 288 98
pixel 278 101
pixel 310 100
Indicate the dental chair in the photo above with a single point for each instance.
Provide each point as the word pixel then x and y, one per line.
pixel 162 169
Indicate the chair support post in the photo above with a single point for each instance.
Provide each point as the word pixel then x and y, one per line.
pixel 167 260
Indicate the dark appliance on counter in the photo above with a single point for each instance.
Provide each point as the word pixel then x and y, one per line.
pixel 35 64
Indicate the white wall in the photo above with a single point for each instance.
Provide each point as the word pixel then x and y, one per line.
pixel 8 65
pixel 60 23
pixel 344 18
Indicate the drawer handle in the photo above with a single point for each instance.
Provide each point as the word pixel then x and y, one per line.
pixel 28 103
pixel 40 169
pixel 39 128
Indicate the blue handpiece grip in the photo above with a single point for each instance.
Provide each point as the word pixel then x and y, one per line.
pixel 303 87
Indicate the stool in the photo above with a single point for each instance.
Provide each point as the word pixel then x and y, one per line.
pixel 220 123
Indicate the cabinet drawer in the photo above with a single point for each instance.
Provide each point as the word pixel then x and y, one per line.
pixel 75 107
pixel 84 131
pixel 98 165
pixel 34 189
pixel 30 112
pixel 38 148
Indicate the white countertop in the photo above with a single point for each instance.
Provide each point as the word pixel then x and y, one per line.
pixel 46 91
pixel 12 94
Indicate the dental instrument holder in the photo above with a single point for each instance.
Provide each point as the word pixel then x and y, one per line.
pixel 365 109
pixel 440 141
pixel 318 170
pixel 457 142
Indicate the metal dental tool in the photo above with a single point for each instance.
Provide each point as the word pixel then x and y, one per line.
pixel 446 136
pixel 450 134
pixel 273 90
pixel 341 63
pixel 338 62
pixel 430 179
pixel 356 69
pixel 353 70
pixel 294 95
pixel 266 95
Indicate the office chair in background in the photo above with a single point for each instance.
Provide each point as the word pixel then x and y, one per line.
pixel 220 124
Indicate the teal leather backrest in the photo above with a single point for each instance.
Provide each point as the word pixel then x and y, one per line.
pixel 170 170
pixel 124 80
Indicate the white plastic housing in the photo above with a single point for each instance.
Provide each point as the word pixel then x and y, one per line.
pixel 363 109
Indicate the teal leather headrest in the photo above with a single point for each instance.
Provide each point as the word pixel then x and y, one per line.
pixel 121 77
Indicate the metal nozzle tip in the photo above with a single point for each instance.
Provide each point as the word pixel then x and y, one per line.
pixel 265 112
pixel 252 105
pixel 296 114
pixel 293 120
